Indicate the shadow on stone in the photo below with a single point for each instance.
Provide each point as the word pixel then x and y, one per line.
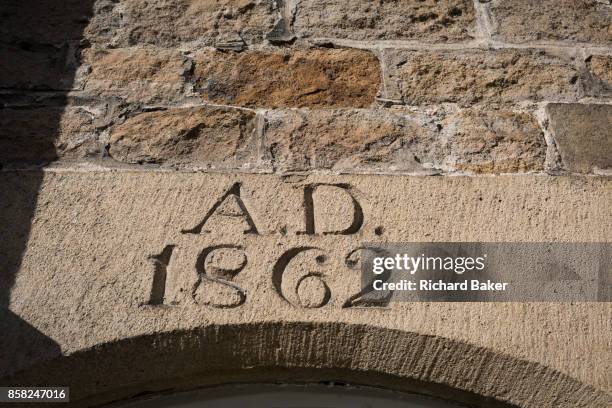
pixel 39 43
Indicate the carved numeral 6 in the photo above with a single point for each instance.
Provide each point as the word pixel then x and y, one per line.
pixel 306 289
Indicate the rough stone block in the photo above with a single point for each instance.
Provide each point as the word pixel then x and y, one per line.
pixel 583 135
pixel 489 141
pixel 472 76
pixel 78 136
pixel 520 21
pixel 137 75
pixel 41 135
pixel 428 20
pixel 348 140
pixel 199 136
pixel 36 68
pixel 600 67
pixel 301 78
pixel 169 23
pixel 45 22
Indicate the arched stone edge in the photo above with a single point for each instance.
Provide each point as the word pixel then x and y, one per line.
pixel 298 352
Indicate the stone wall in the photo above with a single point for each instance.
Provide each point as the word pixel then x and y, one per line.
pixel 405 86
pixel 172 171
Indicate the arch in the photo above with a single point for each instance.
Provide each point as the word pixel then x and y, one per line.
pixel 299 352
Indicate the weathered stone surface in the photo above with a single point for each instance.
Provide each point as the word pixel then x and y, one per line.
pixel 521 21
pixel 472 140
pixel 199 136
pixel 78 138
pixel 169 23
pixel 471 76
pixel 583 135
pixel 36 68
pixel 489 141
pixel 40 135
pixel 137 75
pixel 348 140
pixel 184 274
pixel 28 135
pixel 601 67
pixel 301 78
pixel 96 240
pixel 428 20
pixel 45 22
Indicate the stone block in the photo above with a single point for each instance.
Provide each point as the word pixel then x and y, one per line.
pixel 428 20
pixel 43 134
pixel 136 74
pixel 492 141
pixel 300 78
pixel 45 22
pixel 472 76
pixel 170 23
pixel 600 68
pixel 36 68
pixel 387 141
pixel 583 135
pixel 349 140
pixel 212 137
pixel 520 21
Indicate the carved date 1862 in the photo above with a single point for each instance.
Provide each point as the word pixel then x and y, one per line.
pixel 299 275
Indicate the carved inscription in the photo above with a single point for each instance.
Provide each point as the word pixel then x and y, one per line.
pixel 309 210
pixel 353 261
pixel 217 266
pixel 229 205
pixel 160 265
pixel 305 276
pixel 308 265
pixel 299 277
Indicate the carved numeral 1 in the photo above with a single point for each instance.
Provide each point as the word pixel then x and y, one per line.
pixel 160 274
